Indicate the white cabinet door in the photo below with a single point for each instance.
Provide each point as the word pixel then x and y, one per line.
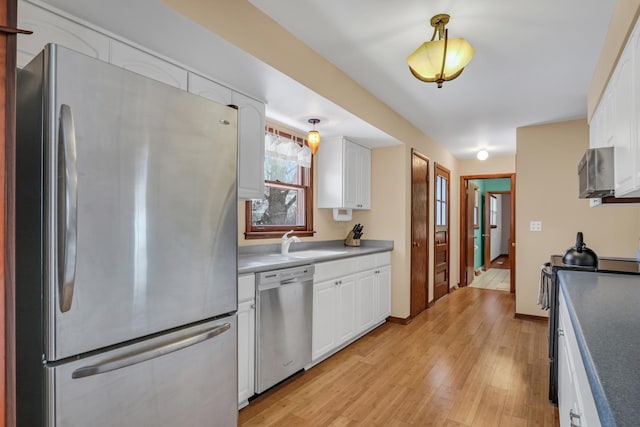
pixel 344 175
pixel 251 122
pixel 208 89
pixel 324 307
pixel 357 176
pixel 576 406
pixel 345 327
pixel 596 131
pixel 383 292
pixel 365 300
pixel 246 351
pixel 351 173
pixel 364 184
pixel 48 27
pixel 148 65
pixel 624 154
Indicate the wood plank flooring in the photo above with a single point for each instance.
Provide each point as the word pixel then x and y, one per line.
pixel 464 362
pixel 493 278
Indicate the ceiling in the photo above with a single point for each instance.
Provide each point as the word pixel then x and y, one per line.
pixel 534 61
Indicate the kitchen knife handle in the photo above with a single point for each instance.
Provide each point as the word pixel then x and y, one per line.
pixel 148 353
pixel 67 215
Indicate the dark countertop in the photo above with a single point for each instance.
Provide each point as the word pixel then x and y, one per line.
pixel 605 312
pixel 253 259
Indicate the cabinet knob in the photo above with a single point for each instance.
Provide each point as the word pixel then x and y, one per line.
pixel 572 416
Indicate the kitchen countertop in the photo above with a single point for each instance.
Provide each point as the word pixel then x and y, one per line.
pixel 254 259
pixel 605 312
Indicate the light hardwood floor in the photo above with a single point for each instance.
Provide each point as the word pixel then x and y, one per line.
pixel 494 278
pixel 464 362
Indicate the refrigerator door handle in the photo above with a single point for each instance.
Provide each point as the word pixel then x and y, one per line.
pixel 148 353
pixel 67 208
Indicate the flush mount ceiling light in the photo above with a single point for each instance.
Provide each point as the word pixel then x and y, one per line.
pixel 482 155
pixel 440 60
pixel 313 137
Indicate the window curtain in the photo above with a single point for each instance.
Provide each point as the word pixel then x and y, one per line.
pixel 279 147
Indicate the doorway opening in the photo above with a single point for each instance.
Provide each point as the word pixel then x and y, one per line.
pixel 487 231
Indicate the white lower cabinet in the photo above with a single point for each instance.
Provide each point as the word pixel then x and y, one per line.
pixel 246 338
pixel 366 298
pixel 350 297
pixel 383 293
pixel 334 319
pixel 576 406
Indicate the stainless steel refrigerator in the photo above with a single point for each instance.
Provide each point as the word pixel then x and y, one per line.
pixel 126 246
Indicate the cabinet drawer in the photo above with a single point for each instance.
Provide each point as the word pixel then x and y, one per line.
pixel 383 258
pixel 330 269
pixel 367 262
pixel 246 287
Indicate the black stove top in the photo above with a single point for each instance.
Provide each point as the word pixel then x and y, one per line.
pixel 605 265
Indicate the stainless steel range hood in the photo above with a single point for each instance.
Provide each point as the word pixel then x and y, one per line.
pixel 595 173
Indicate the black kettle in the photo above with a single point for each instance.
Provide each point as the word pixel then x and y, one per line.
pixel 580 255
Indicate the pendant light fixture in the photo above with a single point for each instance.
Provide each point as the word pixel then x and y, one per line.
pixel 443 59
pixel 313 137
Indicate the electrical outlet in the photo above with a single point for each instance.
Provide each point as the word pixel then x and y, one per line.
pixel 535 226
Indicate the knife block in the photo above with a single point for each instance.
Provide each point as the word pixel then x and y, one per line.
pixel 350 241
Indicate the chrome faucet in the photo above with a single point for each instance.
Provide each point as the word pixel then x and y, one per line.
pixel 287 241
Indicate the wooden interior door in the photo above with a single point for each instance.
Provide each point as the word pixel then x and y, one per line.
pixel 419 232
pixel 486 230
pixel 470 193
pixel 441 237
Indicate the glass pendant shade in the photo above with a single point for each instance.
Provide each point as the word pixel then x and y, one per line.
pixel 313 139
pixel 425 62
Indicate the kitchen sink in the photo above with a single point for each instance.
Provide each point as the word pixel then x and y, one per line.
pixel 311 253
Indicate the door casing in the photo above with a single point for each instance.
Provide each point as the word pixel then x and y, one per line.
pixel 466 216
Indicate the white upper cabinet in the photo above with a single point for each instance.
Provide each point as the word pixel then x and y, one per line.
pixel 50 28
pixel 143 63
pixel 344 174
pixel 208 89
pixel 616 120
pixel 251 123
pixel 624 160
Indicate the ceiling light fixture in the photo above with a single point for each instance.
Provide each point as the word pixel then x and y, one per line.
pixel 443 59
pixel 482 155
pixel 313 137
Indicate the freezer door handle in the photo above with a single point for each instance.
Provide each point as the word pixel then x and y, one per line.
pixel 67 208
pixel 148 353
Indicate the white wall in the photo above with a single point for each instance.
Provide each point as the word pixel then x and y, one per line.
pixel 496 233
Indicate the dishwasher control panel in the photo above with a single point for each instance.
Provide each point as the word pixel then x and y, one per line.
pixel 285 274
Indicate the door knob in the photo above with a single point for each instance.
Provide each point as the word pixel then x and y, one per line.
pixel 416 244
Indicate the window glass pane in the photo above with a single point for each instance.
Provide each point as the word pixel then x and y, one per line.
pixel 438 212
pixel 444 214
pixel 281 206
pixel 444 189
pixel 285 171
pixel 439 188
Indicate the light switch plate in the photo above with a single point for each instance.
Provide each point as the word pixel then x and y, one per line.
pixel 535 226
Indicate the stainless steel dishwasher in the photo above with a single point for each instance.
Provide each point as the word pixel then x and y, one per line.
pixel 284 301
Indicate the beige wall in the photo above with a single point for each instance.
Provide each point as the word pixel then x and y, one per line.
pixel 547 191
pixel 492 165
pixel 249 29
pixel 623 19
